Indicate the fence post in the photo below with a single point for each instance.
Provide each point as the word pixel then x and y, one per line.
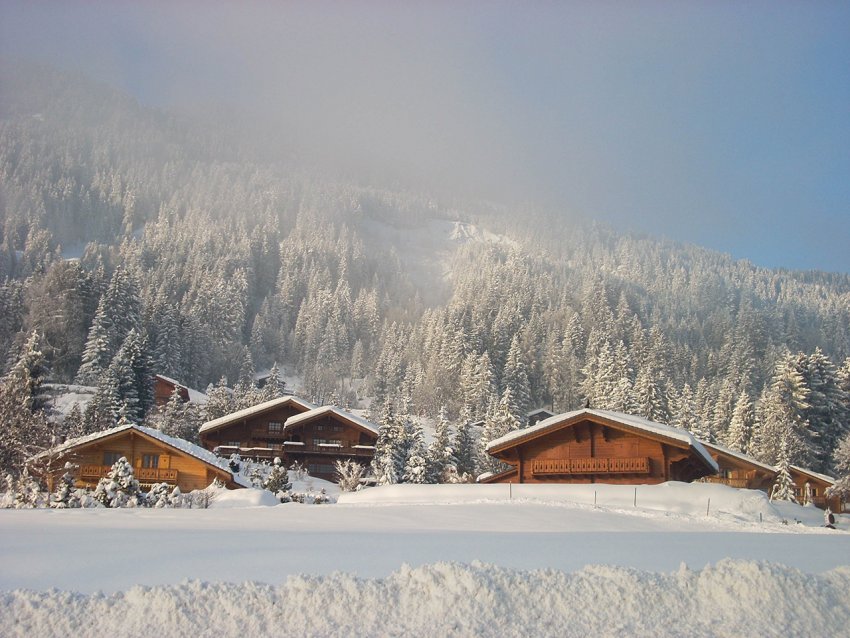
pixel 594 499
pixel 635 497
pixel 510 491
pixel 707 507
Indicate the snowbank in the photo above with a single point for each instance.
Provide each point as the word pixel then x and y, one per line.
pixel 249 497
pixel 449 599
pixel 687 499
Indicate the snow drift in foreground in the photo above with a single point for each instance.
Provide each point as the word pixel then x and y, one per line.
pixel 729 598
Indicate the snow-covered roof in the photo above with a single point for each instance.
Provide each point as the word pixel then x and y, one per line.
pixel 638 423
pixel 180 444
pixel 254 410
pixel 817 475
pixel 330 409
pixel 195 396
pixel 539 411
pixel 738 455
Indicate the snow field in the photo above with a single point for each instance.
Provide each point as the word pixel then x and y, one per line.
pixel 449 599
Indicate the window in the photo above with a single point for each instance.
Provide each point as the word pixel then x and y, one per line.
pixel 334 442
pixel 111 458
pixel 232 444
pixel 320 427
pixel 320 468
pixel 150 460
pixel 275 427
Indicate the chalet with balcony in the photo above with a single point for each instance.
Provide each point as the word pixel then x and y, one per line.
pixel 811 487
pixel 739 470
pixel 155 457
pixel 293 430
pixel 320 437
pixel 255 432
pixel 599 446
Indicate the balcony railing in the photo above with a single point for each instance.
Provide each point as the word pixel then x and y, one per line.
pixel 592 465
pixel 145 474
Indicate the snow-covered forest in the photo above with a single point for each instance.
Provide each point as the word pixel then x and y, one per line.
pixel 135 242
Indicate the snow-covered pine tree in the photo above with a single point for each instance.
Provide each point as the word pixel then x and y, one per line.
pixel 219 400
pixel 841 462
pixel 277 479
pixel 499 422
pixel 274 387
pixel 119 488
pixel 441 457
pixel 465 447
pixel 65 496
pixel 416 463
pixel 741 427
pixel 783 488
pixel 28 492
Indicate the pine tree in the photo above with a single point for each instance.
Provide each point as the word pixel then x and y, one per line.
pixel 441 457
pixel 277 480
pixel 65 496
pixel 499 422
pixel 275 386
pixel 465 446
pixel 783 488
pixel 119 488
pixel 741 427
pixel 219 400
pixel 515 380
pixel 841 462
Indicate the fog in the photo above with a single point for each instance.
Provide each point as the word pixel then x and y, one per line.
pixel 723 125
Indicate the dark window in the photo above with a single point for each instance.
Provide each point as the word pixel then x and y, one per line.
pixel 275 427
pixel 150 460
pixel 320 468
pixel 111 458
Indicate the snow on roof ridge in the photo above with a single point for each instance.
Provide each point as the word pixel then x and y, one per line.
pixel 627 419
pixel 254 409
pixel 180 444
pixel 325 409
pixel 805 470
pixel 739 455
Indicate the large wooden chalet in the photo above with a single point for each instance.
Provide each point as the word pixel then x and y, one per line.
pixel 598 446
pixel 155 457
pixel 293 430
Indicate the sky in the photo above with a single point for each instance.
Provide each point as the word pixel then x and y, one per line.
pixel 718 123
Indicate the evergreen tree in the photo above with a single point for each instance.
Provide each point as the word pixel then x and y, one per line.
pixel 783 488
pixel 841 461
pixel 741 427
pixel 119 488
pixel 441 457
pixel 466 446
pixel 499 422
pixel 278 478
pixel 219 400
pixel 65 495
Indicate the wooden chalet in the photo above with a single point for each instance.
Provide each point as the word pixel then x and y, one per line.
pixel 742 471
pixel 163 388
pixel 739 470
pixel 598 446
pixel 255 432
pixel 322 436
pixel 293 430
pixel 155 457
pixel 811 487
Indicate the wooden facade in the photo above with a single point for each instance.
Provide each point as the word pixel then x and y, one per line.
pixel 153 457
pixel 256 432
pixel 739 470
pixel 595 446
pixel 293 430
pixel 319 438
pixel 163 388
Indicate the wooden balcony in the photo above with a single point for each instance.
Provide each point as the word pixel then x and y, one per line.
pixel 333 450
pixel 143 474
pixel 592 465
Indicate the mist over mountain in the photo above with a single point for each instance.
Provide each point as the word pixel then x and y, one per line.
pixel 122 222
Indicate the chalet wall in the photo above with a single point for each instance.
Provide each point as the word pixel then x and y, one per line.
pixel 191 473
pixel 252 432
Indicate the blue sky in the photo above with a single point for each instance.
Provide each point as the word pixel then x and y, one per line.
pixel 723 124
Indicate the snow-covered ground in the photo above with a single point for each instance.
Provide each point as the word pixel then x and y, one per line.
pixel 429 560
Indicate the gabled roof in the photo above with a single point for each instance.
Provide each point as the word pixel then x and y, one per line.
pixel 629 421
pixel 315 413
pixel 180 445
pixel 540 411
pixel 255 410
pixel 195 396
pixel 814 475
pixel 738 455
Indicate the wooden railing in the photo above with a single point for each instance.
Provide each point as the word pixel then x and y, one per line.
pixel 334 450
pixel 592 465
pixel 145 474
